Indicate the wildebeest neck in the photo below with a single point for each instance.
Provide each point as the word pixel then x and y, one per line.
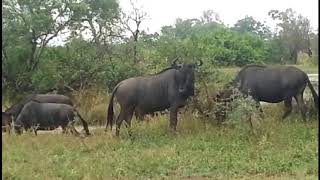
pixel 164 70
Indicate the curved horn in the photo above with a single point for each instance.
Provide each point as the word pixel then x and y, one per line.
pixel 200 62
pixel 174 61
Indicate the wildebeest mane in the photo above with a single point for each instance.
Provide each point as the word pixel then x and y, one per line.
pixel 252 65
pixel 34 100
pixel 234 81
pixel 166 69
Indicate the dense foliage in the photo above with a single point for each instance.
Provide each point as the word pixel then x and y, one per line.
pixel 99 52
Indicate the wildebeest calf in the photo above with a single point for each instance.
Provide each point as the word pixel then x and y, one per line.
pixel 47 115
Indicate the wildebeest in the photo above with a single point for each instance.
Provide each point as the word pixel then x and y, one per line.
pixel 6 122
pixel 44 98
pixel 169 88
pixel 273 85
pixel 47 115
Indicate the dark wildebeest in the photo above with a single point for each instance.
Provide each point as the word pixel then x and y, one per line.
pixel 6 122
pixel 273 85
pixel 47 115
pixel 169 88
pixel 44 98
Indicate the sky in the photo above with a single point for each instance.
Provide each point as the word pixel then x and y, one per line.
pixel 164 12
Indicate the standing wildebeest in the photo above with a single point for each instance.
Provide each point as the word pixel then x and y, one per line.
pixel 47 115
pixel 273 85
pixel 44 98
pixel 168 89
pixel 6 122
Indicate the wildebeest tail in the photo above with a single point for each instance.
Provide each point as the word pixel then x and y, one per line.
pixel 314 94
pixel 110 113
pixel 84 123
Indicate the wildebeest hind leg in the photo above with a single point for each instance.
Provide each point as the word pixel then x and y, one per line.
pixel 288 107
pixel 63 129
pixel 72 128
pixel 258 106
pixel 299 99
pixel 119 121
pixel 128 118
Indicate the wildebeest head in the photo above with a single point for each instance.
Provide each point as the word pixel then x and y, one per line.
pixel 185 77
pixel 224 95
pixel 6 119
pixel 18 127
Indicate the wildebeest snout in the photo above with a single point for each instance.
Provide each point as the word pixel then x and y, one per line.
pixel 18 129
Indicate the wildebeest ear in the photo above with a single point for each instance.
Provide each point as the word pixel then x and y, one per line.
pixel 200 63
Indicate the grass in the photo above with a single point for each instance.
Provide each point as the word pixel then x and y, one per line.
pixel 201 150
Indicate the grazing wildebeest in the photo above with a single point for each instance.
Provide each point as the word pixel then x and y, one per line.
pixel 44 98
pixel 273 85
pixel 47 115
pixel 6 122
pixel 169 88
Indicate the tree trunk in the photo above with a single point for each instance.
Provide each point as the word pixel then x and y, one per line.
pixel 135 59
pixel 135 41
pixel 295 56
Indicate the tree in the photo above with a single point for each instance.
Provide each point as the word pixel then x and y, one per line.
pixel 209 16
pixel 250 25
pixel 295 32
pixel 101 19
pixel 36 22
pixel 314 39
pixel 29 25
pixel 132 22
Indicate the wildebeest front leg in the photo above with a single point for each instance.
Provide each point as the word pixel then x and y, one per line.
pixel 35 132
pixel 35 128
pixel 173 118
pixel 299 99
pixel 288 107
pixel 258 106
pixel 8 127
pixel 139 116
